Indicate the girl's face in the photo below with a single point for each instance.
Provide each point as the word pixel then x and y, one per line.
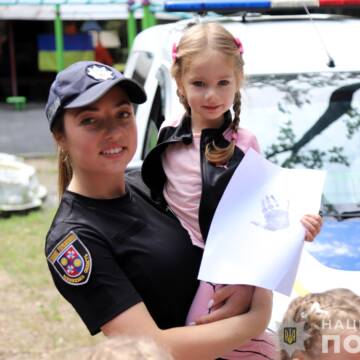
pixel 209 84
pixel 101 137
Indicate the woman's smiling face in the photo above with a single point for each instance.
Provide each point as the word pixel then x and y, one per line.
pixel 101 138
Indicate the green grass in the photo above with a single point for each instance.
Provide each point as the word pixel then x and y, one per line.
pixel 37 322
pixel 22 239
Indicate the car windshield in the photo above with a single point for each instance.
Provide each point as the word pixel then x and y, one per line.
pixel 311 120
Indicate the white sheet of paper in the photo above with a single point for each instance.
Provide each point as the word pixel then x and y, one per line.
pixel 256 236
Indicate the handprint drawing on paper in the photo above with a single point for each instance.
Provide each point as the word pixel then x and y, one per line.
pixel 276 216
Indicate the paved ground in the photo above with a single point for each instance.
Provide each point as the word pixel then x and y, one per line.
pixel 25 132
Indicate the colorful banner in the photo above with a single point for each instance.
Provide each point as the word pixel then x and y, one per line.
pixel 76 48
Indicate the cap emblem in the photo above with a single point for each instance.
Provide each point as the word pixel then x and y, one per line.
pixel 100 73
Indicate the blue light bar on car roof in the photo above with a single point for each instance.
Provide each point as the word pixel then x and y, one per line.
pixel 216 5
pixel 198 6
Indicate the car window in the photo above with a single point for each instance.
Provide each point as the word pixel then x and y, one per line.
pixel 142 67
pixel 313 120
pixel 141 64
pixel 337 246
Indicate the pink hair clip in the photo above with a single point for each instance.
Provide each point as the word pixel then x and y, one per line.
pixel 234 136
pixel 239 45
pixel 174 51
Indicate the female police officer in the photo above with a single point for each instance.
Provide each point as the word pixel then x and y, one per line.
pixel 125 266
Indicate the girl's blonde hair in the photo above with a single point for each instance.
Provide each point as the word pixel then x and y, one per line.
pixel 195 39
pixel 322 313
pixel 65 170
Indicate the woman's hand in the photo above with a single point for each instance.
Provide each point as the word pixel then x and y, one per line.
pixel 313 224
pixel 227 301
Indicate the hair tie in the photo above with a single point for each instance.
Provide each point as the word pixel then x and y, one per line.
pixel 239 45
pixel 315 308
pixel 174 51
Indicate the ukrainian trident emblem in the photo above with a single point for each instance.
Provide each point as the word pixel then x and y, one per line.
pixel 292 336
pixel 289 335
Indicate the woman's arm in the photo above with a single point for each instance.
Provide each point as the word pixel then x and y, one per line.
pixel 197 342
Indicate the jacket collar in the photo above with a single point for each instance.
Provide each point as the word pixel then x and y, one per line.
pixel 184 133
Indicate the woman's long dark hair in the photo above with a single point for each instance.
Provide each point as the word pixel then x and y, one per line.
pixel 65 171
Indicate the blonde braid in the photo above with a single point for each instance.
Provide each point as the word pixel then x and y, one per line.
pixel 220 156
pixel 184 102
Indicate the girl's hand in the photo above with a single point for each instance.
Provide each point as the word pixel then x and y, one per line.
pixel 227 301
pixel 313 224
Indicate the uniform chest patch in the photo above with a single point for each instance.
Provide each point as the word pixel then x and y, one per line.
pixel 71 260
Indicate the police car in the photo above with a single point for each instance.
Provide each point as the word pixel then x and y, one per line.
pixel 20 189
pixel 301 99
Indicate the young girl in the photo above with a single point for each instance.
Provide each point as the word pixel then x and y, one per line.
pixel 197 155
pixel 329 320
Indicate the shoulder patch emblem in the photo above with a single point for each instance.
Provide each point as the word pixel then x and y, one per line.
pixel 72 260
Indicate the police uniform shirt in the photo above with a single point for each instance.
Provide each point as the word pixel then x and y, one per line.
pixel 107 255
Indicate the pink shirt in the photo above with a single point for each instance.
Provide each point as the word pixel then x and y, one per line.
pixel 182 190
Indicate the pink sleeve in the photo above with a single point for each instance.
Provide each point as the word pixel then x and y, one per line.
pixel 249 140
pixel 170 122
pixel 246 139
